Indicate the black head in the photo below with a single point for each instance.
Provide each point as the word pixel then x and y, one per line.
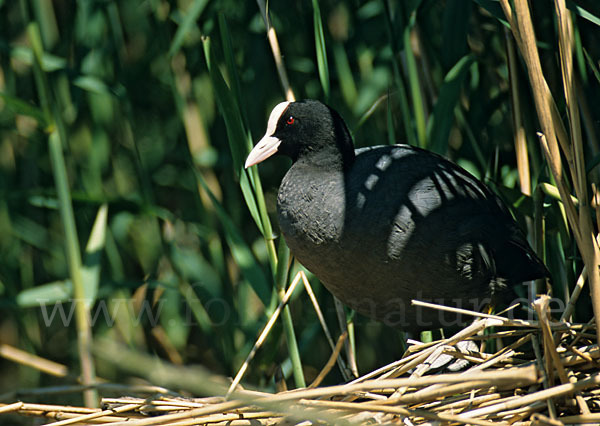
pixel 306 131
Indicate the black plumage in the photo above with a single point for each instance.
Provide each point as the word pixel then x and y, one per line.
pixel 380 226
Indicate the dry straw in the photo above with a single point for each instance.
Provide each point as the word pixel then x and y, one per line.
pixel 554 132
pixel 506 387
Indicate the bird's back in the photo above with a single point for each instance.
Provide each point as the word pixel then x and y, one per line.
pixel 403 224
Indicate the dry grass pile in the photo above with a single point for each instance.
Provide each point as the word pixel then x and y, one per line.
pixel 545 373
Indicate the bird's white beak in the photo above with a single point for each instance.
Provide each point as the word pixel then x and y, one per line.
pixel 266 147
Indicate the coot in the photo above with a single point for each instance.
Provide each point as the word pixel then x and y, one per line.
pixel 382 225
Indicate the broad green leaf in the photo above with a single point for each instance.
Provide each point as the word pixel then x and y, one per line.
pixel 239 249
pixel 415 84
pixel 92 84
pixel 494 8
pixel 321 50
pixel 19 106
pixel 392 25
pixel 592 65
pixel 235 132
pixel 234 80
pixel 194 268
pixel 344 74
pixel 49 62
pixel 43 202
pixel 62 291
pixel 442 118
pixel 90 270
pixel 32 233
pixel 190 17
pixel 455 30
pixel 172 319
pixel 45 294
pixel 583 13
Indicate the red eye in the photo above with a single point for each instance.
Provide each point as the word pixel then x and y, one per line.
pixel 290 120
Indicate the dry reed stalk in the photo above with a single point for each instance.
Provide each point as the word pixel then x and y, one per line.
pixel 539 419
pixel 579 356
pixel 418 358
pixel 189 414
pixel 519 129
pixel 435 391
pixel 331 391
pixel 596 205
pixel 504 354
pixel 521 413
pixel 488 392
pixel 272 36
pixel 340 311
pixel 106 387
pixel 565 34
pixel 263 335
pixel 544 368
pixel 565 38
pixel 10 407
pixel 54 407
pixel 552 357
pixel 420 370
pixel 96 415
pixel 25 358
pixel 516 374
pixel 459 403
pixel 228 419
pixel 396 410
pixel 330 362
pixel 566 389
pixel 581 334
pixel 553 132
pixel 342 365
pixel 438 391
pixel 500 319
pixel 163 402
pixel 566 315
pixel 580 419
pixel 62 413
pixel 541 307
pixel 514 19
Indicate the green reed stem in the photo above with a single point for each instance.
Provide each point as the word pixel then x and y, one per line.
pixel 55 145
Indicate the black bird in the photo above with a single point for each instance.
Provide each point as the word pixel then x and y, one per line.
pixel 380 226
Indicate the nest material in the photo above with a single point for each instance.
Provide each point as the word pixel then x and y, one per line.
pixel 548 373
